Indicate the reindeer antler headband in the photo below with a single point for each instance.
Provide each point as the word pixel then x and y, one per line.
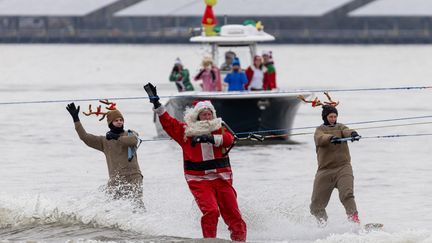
pixel 111 106
pixel 317 102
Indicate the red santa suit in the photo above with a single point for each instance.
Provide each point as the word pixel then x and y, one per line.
pixel 207 168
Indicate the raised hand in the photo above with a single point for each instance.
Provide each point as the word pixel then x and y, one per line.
pixel 73 111
pixel 152 93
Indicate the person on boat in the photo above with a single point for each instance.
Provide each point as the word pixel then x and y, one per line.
pixel 118 145
pixel 255 75
pixel 334 167
pixel 205 142
pixel 210 76
pixel 227 65
pixel 236 79
pixel 269 71
pixel 180 76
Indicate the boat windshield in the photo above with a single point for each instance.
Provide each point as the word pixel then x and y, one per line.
pixel 225 54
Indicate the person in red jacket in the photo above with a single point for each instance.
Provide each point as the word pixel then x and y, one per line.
pixel 205 143
pixel 255 75
pixel 270 71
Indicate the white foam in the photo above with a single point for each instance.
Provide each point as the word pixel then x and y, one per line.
pixel 406 236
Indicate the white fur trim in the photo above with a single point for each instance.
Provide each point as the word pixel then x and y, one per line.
pixel 209 177
pixel 160 110
pixel 191 114
pixel 195 127
pixel 202 127
pixel 213 171
pixel 218 140
pixel 207 151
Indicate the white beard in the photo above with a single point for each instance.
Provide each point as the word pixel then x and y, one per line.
pixel 202 127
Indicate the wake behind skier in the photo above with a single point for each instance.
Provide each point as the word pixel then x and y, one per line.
pixel 125 178
pixel 334 167
pixel 205 142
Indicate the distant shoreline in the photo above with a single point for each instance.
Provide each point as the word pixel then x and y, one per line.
pixel 143 30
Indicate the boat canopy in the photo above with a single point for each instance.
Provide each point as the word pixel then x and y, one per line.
pixel 235 35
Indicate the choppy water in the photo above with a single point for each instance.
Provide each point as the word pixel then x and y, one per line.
pixel 49 180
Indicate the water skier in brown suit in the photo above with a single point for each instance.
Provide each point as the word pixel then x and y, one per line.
pixel 125 178
pixel 334 166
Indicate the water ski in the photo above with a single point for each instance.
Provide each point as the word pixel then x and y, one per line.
pixel 373 226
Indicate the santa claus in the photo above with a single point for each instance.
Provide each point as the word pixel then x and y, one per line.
pixel 205 142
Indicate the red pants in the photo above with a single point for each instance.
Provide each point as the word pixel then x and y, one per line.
pixel 216 197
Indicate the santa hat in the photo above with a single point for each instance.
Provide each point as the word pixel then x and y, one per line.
pixel 178 61
pixel 256 57
pixel 267 53
pixel 191 114
pixel 194 127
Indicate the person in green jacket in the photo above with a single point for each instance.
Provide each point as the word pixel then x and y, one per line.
pixel 180 76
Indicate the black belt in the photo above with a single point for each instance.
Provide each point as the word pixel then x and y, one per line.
pixel 207 165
